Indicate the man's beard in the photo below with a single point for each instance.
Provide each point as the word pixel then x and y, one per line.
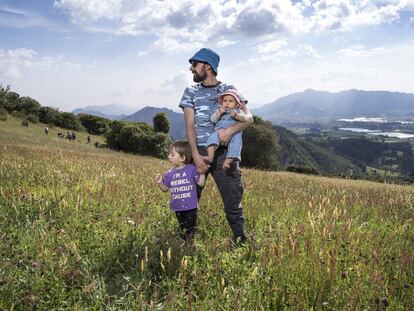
pixel 197 78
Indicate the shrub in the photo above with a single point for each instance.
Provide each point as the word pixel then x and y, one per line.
pixel 18 114
pixel 69 121
pixel 48 115
pixel 32 118
pixel 25 122
pixel 160 123
pixel 260 148
pixel 303 169
pixel 3 114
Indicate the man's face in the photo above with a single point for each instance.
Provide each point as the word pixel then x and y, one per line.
pixel 199 71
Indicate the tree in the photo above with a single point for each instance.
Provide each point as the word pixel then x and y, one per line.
pixel 161 123
pixel 29 105
pixel 94 124
pixel 260 149
pixel 69 121
pixel 48 115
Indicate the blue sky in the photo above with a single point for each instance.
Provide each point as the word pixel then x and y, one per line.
pixel 76 53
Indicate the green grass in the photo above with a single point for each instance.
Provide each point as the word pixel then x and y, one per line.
pixel 87 229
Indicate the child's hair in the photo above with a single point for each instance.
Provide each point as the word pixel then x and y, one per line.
pixel 182 147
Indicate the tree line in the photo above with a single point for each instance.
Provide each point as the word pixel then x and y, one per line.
pixel 260 147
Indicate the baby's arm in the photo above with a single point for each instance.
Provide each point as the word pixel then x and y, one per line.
pixel 158 180
pixel 242 116
pixel 215 117
pixel 202 181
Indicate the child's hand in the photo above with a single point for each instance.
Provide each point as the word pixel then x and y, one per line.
pixel 233 113
pixel 158 178
pixel 222 110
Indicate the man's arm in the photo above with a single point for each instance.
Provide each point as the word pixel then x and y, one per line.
pixel 192 140
pixel 226 134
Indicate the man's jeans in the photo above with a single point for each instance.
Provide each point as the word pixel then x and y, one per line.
pixel 230 188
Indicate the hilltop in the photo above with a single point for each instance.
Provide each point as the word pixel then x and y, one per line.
pixel 86 228
pixel 312 105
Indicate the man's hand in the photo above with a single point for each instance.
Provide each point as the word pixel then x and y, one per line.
pixel 224 135
pixel 201 165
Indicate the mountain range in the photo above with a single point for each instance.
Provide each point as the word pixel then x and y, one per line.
pixel 312 105
pixel 112 111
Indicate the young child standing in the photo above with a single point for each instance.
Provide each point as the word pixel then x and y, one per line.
pixel 182 181
pixel 230 111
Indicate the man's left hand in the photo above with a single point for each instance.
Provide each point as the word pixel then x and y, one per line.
pixel 224 136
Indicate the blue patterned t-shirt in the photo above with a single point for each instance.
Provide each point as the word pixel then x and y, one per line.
pixel 203 99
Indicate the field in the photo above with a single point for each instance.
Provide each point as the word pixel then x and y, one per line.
pixel 83 228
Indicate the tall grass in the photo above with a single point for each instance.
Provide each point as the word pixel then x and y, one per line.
pixel 85 228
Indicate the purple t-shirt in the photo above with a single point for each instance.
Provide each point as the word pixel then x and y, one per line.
pixel 183 187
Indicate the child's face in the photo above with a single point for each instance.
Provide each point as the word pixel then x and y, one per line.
pixel 175 158
pixel 229 102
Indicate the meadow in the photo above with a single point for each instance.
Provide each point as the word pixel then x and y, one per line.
pixel 83 228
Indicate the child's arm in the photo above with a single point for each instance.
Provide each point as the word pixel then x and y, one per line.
pixel 215 117
pixel 158 180
pixel 242 116
pixel 202 180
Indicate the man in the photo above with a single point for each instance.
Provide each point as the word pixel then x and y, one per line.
pixel 199 102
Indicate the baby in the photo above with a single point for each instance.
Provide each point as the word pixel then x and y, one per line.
pixel 231 110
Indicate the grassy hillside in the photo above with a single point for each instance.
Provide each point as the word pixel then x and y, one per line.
pixel 86 229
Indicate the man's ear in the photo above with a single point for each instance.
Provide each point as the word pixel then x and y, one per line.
pixel 208 67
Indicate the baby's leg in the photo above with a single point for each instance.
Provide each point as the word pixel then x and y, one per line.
pixel 212 145
pixel 210 153
pixel 227 162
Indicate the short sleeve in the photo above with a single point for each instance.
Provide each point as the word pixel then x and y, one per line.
pixel 187 98
pixel 195 173
pixel 166 180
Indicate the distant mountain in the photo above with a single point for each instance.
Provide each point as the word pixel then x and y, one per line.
pixel 296 151
pixel 312 105
pixel 177 125
pixel 112 111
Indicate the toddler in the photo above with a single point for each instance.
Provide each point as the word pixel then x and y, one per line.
pixel 182 180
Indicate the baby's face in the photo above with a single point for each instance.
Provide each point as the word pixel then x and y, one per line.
pixel 229 102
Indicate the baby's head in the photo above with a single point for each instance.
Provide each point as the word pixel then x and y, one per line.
pixel 230 99
pixel 181 148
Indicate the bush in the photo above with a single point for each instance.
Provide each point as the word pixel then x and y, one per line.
pixel 25 122
pixel 260 148
pixel 93 124
pixel 138 138
pixel 3 114
pixel 32 118
pixel 69 121
pixel 48 115
pixel 18 114
pixel 160 123
pixel 303 169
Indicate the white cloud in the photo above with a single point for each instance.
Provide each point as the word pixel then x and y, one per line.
pixel 16 63
pixel 171 84
pixel 84 10
pixel 358 52
pixel 224 43
pixel 271 47
pixel 308 51
pixel 225 21
pixel 171 45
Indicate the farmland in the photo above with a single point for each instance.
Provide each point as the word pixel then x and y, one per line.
pixel 87 228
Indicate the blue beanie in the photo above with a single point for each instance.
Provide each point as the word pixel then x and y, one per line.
pixel 207 56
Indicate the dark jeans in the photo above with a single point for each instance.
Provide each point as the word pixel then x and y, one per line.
pixel 231 190
pixel 188 223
